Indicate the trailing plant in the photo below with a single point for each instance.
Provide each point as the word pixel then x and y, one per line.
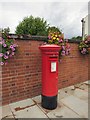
pixel 8 48
pixel 84 46
pixel 58 39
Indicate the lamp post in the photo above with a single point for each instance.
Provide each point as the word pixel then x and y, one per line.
pixel 83 28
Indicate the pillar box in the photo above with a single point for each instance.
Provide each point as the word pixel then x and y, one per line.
pixel 49 75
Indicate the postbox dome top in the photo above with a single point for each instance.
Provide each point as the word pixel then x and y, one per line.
pixel 50 47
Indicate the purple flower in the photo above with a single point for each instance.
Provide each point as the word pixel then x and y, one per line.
pixel 13 49
pixel 67 52
pixel 86 41
pixel 84 49
pixel 1 42
pixel 12 53
pixel 11 46
pixel 14 45
pixel 1 63
pixel 83 52
pixel 63 53
pixel 1 54
pixel 63 47
pixel 5 57
pixel 60 40
pixel 49 37
pixel 4 45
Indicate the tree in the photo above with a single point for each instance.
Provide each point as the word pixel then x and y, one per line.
pixel 33 26
pixel 5 30
pixel 54 29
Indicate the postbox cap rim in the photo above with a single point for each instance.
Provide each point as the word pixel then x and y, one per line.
pixel 49 46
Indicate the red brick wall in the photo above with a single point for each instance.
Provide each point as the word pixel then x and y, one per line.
pixel 74 68
pixel 21 77
pixel 89 66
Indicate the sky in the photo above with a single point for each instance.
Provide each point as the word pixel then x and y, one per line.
pixel 64 15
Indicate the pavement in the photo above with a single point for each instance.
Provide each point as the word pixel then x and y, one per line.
pixel 72 103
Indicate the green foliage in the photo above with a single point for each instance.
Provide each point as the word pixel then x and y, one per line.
pixel 77 38
pixel 8 48
pixel 58 39
pixel 84 45
pixel 33 26
pixel 54 29
pixel 5 30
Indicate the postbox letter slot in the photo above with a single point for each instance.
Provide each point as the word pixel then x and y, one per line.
pixel 53 57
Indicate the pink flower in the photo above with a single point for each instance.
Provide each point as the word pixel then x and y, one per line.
pixel 9 36
pixel 63 47
pixel 13 49
pixel 60 40
pixel 13 53
pixel 67 52
pixel 84 49
pixel 5 57
pixel 63 53
pixel 49 37
pixel 11 46
pixel 1 42
pixel 86 41
pixel 1 63
pixel 1 54
pixel 14 45
pixel 4 45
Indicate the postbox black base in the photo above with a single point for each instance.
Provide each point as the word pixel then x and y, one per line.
pixel 49 102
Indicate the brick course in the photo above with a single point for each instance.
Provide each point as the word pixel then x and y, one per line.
pixel 21 77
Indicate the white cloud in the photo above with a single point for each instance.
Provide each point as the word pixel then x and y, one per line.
pixel 44 1
pixel 66 15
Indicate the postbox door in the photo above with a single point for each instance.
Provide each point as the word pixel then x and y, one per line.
pixel 51 81
pixel 53 74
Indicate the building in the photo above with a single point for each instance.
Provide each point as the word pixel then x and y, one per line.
pixel 85 26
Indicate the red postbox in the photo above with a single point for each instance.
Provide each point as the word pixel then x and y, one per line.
pixel 49 75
